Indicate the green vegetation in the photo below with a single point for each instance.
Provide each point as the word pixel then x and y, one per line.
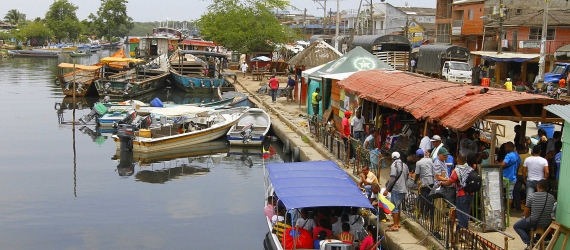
pixel 244 25
pixel 15 17
pixel 34 29
pixel 62 20
pixel 111 19
pixel 305 139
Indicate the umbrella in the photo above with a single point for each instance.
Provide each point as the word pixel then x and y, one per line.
pixel 261 58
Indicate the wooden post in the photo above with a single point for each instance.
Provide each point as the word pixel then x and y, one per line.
pixel 493 142
pixel 522 134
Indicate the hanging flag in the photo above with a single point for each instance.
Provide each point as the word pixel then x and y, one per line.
pixel 385 204
pixel 265 154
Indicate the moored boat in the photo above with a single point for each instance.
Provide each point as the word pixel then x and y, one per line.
pixel 81 53
pixel 140 80
pixel 79 80
pixel 179 126
pixel 309 185
pixel 33 53
pixel 199 71
pixel 250 129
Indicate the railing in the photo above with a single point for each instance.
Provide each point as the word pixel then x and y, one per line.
pixel 457 23
pixel 441 226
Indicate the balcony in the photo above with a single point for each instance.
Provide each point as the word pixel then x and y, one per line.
pixel 456 27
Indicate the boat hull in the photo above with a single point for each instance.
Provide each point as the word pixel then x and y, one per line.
pixel 116 90
pixel 80 55
pixel 84 86
pixel 199 84
pixel 177 140
pixel 261 125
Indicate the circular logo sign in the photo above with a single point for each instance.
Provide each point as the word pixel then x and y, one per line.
pixel 364 63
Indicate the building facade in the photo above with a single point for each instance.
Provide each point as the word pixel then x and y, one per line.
pixel 378 19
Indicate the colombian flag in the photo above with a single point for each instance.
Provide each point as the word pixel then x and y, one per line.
pixel 265 154
pixel 385 204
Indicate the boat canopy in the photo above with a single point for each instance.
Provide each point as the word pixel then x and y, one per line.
pixel 200 53
pixel 314 184
pixel 119 59
pixel 78 66
pixel 181 110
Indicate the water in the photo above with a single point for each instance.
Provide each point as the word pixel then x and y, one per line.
pixel 105 201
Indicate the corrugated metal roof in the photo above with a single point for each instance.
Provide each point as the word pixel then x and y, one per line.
pixel 453 105
pixel 560 110
pixel 317 54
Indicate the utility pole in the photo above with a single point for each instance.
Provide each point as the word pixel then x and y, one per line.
pixel 324 7
pixel 371 19
pixel 349 45
pixel 329 22
pixel 542 60
pixel 500 27
pixel 337 28
pixel 304 22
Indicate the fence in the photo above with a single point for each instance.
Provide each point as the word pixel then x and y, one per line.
pixel 439 223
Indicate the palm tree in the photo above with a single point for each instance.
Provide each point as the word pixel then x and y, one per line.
pixel 14 17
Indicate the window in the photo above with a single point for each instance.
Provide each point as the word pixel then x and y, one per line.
pixel 536 33
pixel 518 12
pixel 470 14
pixel 442 33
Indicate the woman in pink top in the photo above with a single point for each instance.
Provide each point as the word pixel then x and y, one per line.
pixel 270 208
pixel 368 242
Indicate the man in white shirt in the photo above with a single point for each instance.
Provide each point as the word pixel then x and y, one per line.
pixel 436 140
pixel 243 68
pixel 305 222
pixel 426 144
pixel 468 145
pixel 535 168
pixel 358 126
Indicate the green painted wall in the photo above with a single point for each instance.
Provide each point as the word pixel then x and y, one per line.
pixel 563 207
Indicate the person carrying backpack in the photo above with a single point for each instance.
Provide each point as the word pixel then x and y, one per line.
pixel 467 181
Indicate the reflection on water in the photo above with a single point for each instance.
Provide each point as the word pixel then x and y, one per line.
pixel 70 192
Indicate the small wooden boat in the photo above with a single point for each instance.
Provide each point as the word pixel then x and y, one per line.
pixel 84 76
pixel 81 54
pixel 33 53
pixel 199 71
pixel 137 81
pixel 180 126
pixel 250 129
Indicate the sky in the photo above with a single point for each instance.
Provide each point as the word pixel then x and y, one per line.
pixel 178 10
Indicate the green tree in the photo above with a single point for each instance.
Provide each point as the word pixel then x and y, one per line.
pixel 62 20
pixel 111 19
pixel 34 30
pixel 244 25
pixel 15 17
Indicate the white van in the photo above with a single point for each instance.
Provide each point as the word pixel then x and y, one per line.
pixel 459 72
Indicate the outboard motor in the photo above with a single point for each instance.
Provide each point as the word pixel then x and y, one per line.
pixel 106 99
pixel 79 88
pixel 67 85
pixel 246 133
pixel 98 110
pixel 127 88
pixel 106 87
pixel 126 134
pixel 202 84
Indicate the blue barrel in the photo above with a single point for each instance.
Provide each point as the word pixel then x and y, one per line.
pixel 549 128
pixel 156 103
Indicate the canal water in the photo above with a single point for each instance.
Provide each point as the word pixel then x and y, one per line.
pixel 69 189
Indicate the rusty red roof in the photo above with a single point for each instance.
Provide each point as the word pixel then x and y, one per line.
pixel 453 105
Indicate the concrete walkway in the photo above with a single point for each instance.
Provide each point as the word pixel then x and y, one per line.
pixel 289 120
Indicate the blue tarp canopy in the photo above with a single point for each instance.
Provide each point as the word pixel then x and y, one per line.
pixel 314 184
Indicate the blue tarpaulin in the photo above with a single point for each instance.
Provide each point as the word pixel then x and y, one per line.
pixel 314 184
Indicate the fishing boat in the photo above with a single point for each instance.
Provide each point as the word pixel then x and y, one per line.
pixel 65 48
pixel 33 53
pixel 179 126
pixel 250 129
pixel 310 185
pixel 79 80
pixel 81 53
pixel 84 76
pixel 139 80
pixel 199 71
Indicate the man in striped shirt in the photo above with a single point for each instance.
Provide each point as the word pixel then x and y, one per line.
pixel 537 211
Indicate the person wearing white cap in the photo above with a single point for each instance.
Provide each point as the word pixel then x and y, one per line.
pixel 436 140
pixel 397 186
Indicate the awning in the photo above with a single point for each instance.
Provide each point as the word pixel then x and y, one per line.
pixel 78 66
pixel 314 184
pixel 307 72
pixel 563 51
pixel 505 56
pixel 452 105
pixel 201 53
pixel 563 111
pixel 119 59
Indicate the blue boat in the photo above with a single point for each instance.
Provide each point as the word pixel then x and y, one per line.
pixel 199 71
pixel 311 185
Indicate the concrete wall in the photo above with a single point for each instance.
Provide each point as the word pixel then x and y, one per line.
pixel 528 6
